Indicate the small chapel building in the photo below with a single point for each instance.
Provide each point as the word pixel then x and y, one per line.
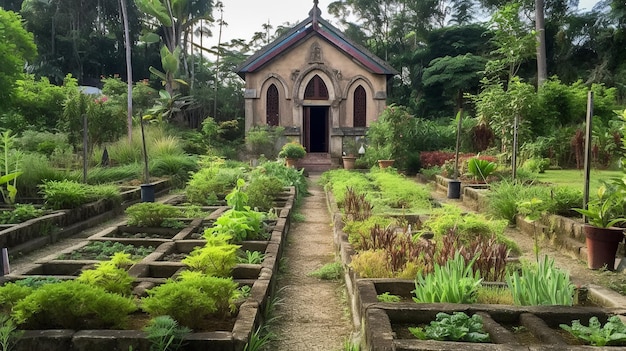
pixel 318 84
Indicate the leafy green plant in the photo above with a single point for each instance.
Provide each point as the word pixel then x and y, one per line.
pixel 20 213
pixel 204 296
pixel 612 333
pixel 455 327
pixel 480 169
pixel 10 167
pixel 239 222
pixel 104 250
pixel 211 182
pixel 541 284
pixel 216 258
pixel 603 211
pixel 252 257
pixel 165 334
pixel 454 283
pixel 292 150
pixel 9 335
pixel 11 294
pixel 262 190
pixel 151 214
pixel 329 271
pixel 110 275
pixel 387 297
pixel 70 194
pixel 72 305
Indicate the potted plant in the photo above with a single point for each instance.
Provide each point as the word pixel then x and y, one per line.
pixel 349 153
pixel 601 235
pixel 292 152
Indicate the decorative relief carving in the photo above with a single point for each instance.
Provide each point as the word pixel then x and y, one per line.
pixel 337 73
pixel 294 74
pixel 315 53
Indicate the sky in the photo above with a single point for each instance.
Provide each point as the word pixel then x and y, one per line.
pixel 245 17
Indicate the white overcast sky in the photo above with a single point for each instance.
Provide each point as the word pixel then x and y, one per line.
pixel 245 17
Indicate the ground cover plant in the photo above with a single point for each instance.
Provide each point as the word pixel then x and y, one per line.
pixel 613 332
pixel 20 213
pixel 386 191
pixel 103 250
pixel 457 326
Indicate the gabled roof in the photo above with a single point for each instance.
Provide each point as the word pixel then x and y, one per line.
pixel 315 25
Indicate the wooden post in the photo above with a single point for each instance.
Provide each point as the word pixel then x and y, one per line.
pixel 588 130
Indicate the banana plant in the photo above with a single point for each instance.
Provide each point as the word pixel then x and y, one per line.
pixel 9 178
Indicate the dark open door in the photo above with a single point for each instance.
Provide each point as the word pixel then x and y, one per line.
pixel 316 128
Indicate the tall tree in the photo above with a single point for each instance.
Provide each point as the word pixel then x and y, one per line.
pixel 17 46
pixel 174 20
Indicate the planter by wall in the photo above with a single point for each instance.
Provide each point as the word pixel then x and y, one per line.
pixel 602 244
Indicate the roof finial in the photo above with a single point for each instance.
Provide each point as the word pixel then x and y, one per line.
pixel 315 12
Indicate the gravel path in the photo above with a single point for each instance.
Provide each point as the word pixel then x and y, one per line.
pixel 313 314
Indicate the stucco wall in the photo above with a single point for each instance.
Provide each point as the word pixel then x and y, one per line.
pixel 291 72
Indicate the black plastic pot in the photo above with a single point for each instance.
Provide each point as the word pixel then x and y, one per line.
pixel 147 192
pixel 454 189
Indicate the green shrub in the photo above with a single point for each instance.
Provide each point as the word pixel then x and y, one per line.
pixel 214 260
pixel 151 214
pixel 101 175
pixel 289 176
pixel 398 192
pixel 467 225
pixel 371 264
pixel 211 183
pixel 536 165
pixel 203 296
pixel 11 294
pixel 42 142
pixel 70 194
pixel 72 305
pixel 39 171
pixel 177 167
pixel 262 190
pixel 111 275
pixel 359 231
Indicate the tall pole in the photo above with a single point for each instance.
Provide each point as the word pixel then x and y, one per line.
pixel 588 149
pixel 217 60
pixel 129 71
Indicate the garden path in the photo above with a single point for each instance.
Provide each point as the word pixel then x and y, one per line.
pixel 312 314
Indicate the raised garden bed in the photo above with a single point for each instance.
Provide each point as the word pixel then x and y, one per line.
pixel 385 324
pixel 38 232
pixel 151 271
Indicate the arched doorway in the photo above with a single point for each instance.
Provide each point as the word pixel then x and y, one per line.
pixel 315 127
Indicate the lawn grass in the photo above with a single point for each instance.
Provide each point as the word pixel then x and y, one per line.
pixel 574 178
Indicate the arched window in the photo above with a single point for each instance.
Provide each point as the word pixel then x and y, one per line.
pixel 360 107
pixel 272 105
pixel 316 89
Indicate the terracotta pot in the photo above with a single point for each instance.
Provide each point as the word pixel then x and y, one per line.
pixel 385 163
pixel 348 162
pixel 291 162
pixel 602 244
